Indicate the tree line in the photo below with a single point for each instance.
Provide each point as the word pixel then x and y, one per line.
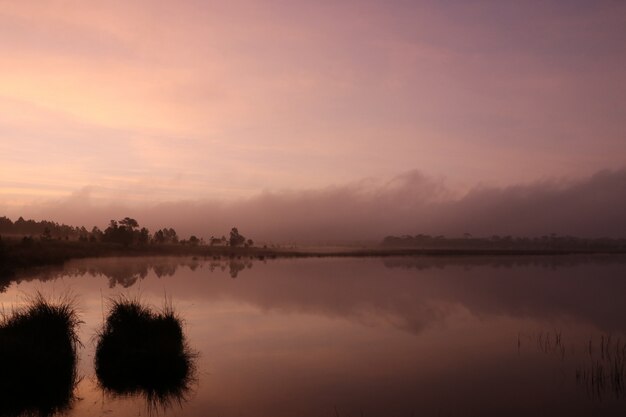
pixel 545 242
pixel 126 231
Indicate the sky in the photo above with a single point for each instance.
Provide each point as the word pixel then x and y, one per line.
pixel 121 107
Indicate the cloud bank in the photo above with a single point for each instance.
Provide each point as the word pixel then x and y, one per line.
pixel 368 210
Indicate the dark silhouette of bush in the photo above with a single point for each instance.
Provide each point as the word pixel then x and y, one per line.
pixel 38 358
pixel 143 352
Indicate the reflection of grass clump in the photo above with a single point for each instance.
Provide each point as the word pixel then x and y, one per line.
pixel 38 358
pixel 140 351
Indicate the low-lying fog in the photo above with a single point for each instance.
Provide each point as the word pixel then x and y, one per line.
pixel 366 211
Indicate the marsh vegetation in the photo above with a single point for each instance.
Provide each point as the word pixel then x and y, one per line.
pixel 144 352
pixel 598 364
pixel 38 355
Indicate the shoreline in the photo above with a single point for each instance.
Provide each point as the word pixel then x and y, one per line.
pixel 16 255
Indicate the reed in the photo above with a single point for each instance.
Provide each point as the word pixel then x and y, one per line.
pixel 38 355
pixel 142 351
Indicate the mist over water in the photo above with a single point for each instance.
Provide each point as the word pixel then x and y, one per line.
pixel 366 211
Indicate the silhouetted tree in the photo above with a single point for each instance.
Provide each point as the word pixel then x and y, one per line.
pixel 128 223
pixel 143 236
pixel 171 235
pixel 6 225
pixel 235 238
pixel 111 233
pixel 159 237
pixel 96 234
pixel 165 235
pixel 123 232
pixel 219 241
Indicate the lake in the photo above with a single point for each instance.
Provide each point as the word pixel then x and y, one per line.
pixel 410 336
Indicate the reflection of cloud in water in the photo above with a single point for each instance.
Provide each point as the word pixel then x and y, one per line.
pixel 583 288
pixel 410 292
pixel 580 287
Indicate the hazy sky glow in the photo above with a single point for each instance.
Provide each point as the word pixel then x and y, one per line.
pixel 148 102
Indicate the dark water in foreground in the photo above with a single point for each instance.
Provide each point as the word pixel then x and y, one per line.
pixel 370 336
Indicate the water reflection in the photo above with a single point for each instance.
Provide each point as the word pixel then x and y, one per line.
pixel 421 290
pixel 428 336
pixel 126 272
pixel 502 261
pixel 585 287
pixel 143 352
pixel 234 265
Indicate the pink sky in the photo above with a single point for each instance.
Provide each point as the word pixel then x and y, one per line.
pixel 148 102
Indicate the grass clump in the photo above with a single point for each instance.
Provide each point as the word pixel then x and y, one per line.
pixel 38 358
pixel 140 351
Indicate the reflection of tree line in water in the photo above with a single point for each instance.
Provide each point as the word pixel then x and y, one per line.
pixel 139 352
pixel 127 271
pixel 600 370
pixel 502 261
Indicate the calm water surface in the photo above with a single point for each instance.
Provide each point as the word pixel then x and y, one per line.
pixel 369 336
